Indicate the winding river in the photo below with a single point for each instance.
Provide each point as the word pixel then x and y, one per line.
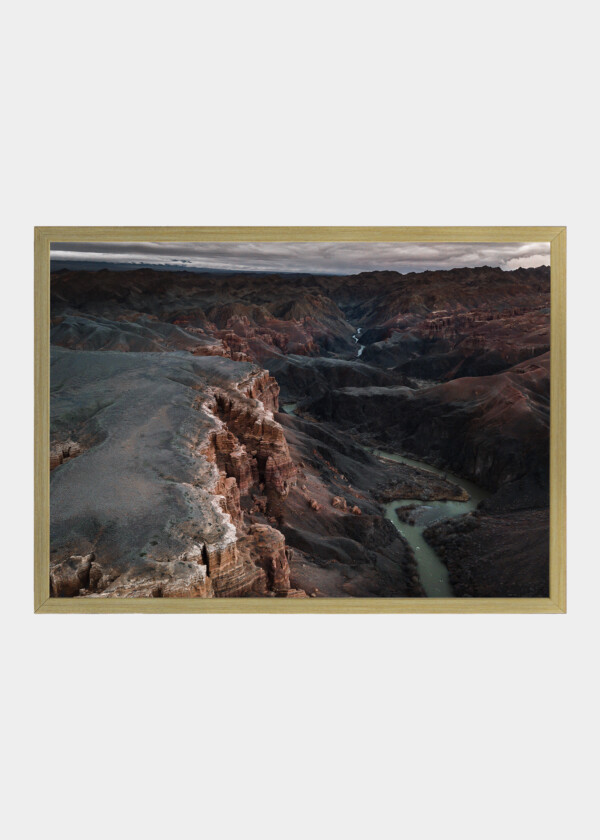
pixel 432 571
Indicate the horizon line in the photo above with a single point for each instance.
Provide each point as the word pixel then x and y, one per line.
pixel 184 267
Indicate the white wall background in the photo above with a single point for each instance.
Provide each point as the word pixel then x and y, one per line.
pixel 299 113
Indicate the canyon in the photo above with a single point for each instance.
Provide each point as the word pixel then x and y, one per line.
pixel 246 434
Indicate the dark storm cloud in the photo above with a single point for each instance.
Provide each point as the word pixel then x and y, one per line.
pixel 316 257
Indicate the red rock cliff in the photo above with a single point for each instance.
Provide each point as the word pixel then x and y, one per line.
pixel 249 451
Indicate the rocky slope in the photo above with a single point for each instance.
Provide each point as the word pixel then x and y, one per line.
pixel 340 543
pixel 495 556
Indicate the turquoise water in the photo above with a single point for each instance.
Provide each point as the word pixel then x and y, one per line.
pixel 432 571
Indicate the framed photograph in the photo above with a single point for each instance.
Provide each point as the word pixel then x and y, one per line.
pixel 300 419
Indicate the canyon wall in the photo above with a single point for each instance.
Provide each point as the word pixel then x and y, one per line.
pixel 493 429
pixel 154 506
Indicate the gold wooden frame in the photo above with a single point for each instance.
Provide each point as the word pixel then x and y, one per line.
pixel 556 603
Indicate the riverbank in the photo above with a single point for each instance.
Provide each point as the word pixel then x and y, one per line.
pixel 432 570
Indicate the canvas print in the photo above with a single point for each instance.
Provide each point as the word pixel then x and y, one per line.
pixel 299 420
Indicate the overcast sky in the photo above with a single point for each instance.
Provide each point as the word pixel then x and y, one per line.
pixel 317 257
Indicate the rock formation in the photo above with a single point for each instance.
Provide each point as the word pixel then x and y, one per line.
pixel 159 502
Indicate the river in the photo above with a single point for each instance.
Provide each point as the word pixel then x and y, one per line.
pixel 356 338
pixel 432 571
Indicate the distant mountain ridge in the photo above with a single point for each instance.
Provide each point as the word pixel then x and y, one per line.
pixel 57 265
